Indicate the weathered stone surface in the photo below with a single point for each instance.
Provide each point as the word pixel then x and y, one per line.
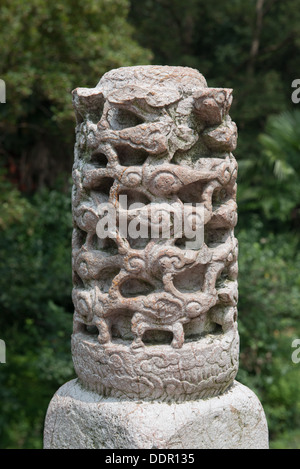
pixel 80 419
pixel 154 318
pixel 155 343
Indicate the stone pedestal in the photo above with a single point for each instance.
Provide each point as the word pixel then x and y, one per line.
pixel 78 418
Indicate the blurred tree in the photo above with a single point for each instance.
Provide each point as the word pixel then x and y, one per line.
pixel 250 46
pixel 47 49
pixel 275 175
pixel 281 147
pixel 36 308
pixel 269 303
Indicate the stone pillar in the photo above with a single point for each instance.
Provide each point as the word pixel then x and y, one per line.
pixel 155 342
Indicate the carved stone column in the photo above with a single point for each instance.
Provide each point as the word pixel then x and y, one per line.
pixel 155 311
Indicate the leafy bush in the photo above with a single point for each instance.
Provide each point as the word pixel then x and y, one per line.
pixel 47 50
pixel 36 309
pixel 269 304
pixel 274 188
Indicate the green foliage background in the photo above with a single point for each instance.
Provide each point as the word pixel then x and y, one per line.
pixel 47 49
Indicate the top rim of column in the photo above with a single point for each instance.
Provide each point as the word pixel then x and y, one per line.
pixel 162 75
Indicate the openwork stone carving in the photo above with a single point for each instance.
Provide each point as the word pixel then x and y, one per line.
pixel 154 319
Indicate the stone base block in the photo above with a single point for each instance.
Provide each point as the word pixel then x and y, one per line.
pixel 77 418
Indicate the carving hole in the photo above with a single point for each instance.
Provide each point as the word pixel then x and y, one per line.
pixel 182 242
pixel 104 185
pixel 78 238
pixel 136 287
pixel 79 117
pixel 99 160
pixel 95 107
pixel 197 328
pixel 107 244
pixel 214 237
pixel 129 156
pixel 177 157
pixel 191 193
pixel 138 243
pixel 120 119
pixel 121 325
pixel 191 279
pixel 91 108
pixel 221 279
pixel 157 337
pixel 91 330
pixel 106 278
pixel 77 282
pixel 219 197
pixel 217 330
pixel 133 196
